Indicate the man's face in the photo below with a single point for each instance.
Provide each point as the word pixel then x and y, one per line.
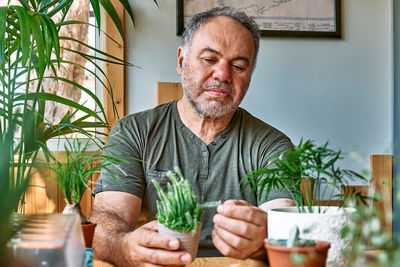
pixel 217 69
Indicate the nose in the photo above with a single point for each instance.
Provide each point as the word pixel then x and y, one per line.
pixel 222 72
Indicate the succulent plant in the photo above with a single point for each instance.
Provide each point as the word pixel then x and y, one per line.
pixel 292 241
pixel 178 209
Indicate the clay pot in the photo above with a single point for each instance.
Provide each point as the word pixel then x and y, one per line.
pixel 325 226
pixel 189 242
pixel 88 232
pixel 281 256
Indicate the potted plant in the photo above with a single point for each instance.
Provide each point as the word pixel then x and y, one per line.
pixel 287 171
pixel 74 175
pixel 10 192
pixel 371 244
pixel 295 251
pixel 30 45
pixel 179 213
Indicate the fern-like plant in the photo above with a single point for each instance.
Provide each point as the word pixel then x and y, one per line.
pixel 287 171
pixel 178 209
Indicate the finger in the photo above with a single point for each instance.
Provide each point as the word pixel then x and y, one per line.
pixel 151 265
pixel 238 202
pixel 225 248
pixel 157 265
pixel 165 257
pixel 249 214
pixel 238 227
pixel 156 240
pixel 233 240
pixel 152 239
pixel 153 225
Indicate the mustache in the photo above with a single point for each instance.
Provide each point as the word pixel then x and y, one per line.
pixel 217 84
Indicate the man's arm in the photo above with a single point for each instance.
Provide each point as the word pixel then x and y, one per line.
pixel 117 241
pixel 240 228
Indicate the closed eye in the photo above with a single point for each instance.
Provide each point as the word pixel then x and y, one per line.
pixel 237 67
pixel 209 60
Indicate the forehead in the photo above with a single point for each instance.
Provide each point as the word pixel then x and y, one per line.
pixel 225 35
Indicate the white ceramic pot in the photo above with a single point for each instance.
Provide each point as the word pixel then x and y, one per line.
pixel 324 226
pixel 189 242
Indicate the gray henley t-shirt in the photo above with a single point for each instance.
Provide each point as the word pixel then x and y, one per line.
pixel 160 139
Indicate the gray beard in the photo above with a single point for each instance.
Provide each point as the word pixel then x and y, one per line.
pixel 206 110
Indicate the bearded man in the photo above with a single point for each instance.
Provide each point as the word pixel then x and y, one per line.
pixel 209 137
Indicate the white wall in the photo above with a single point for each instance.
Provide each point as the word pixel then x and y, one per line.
pixel 321 89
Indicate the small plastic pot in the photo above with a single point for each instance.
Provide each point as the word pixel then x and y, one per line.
pixel 189 242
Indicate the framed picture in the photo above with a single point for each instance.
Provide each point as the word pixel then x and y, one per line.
pixel 288 18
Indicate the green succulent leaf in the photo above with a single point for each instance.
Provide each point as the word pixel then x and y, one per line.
pixel 178 208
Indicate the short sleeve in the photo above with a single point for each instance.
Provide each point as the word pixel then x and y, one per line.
pixel 124 142
pixel 280 145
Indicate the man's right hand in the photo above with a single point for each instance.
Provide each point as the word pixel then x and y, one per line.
pixel 146 247
pixel 119 241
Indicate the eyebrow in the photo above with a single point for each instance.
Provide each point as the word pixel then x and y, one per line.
pixel 209 49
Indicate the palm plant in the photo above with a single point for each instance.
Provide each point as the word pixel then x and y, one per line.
pixel 316 163
pixel 74 172
pixel 30 45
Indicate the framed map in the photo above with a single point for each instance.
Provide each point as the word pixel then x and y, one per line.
pixel 289 18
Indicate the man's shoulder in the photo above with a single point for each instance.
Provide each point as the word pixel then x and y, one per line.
pixel 262 139
pixel 255 125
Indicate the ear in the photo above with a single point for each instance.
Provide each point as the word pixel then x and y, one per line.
pixel 180 60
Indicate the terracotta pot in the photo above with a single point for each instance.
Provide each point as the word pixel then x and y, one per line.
pixel 88 232
pixel 325 226
pixel 280 256
pixel 189 242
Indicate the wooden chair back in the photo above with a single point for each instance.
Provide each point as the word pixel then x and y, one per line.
pixel 381 183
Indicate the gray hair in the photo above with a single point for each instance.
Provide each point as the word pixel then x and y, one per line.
pixel 201 18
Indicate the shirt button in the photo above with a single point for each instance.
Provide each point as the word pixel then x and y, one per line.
pixel 213 143
pixel 223 135
pixel 204 154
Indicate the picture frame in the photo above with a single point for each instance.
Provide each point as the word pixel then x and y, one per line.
pixel 282 18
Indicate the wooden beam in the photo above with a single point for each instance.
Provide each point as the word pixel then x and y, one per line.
pixel 167 92
pixel 382 183
pixel 115 73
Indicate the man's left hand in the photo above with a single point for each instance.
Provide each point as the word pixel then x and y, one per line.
pixel 239 229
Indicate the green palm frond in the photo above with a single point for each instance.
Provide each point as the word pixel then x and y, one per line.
pixel 307 160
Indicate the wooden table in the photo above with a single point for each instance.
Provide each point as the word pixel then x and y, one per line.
pixel 207 262
pixel 226 261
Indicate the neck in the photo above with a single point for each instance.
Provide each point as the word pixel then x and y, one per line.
pixel 204 128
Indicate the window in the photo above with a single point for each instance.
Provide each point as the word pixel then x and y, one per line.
pixel 79 11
